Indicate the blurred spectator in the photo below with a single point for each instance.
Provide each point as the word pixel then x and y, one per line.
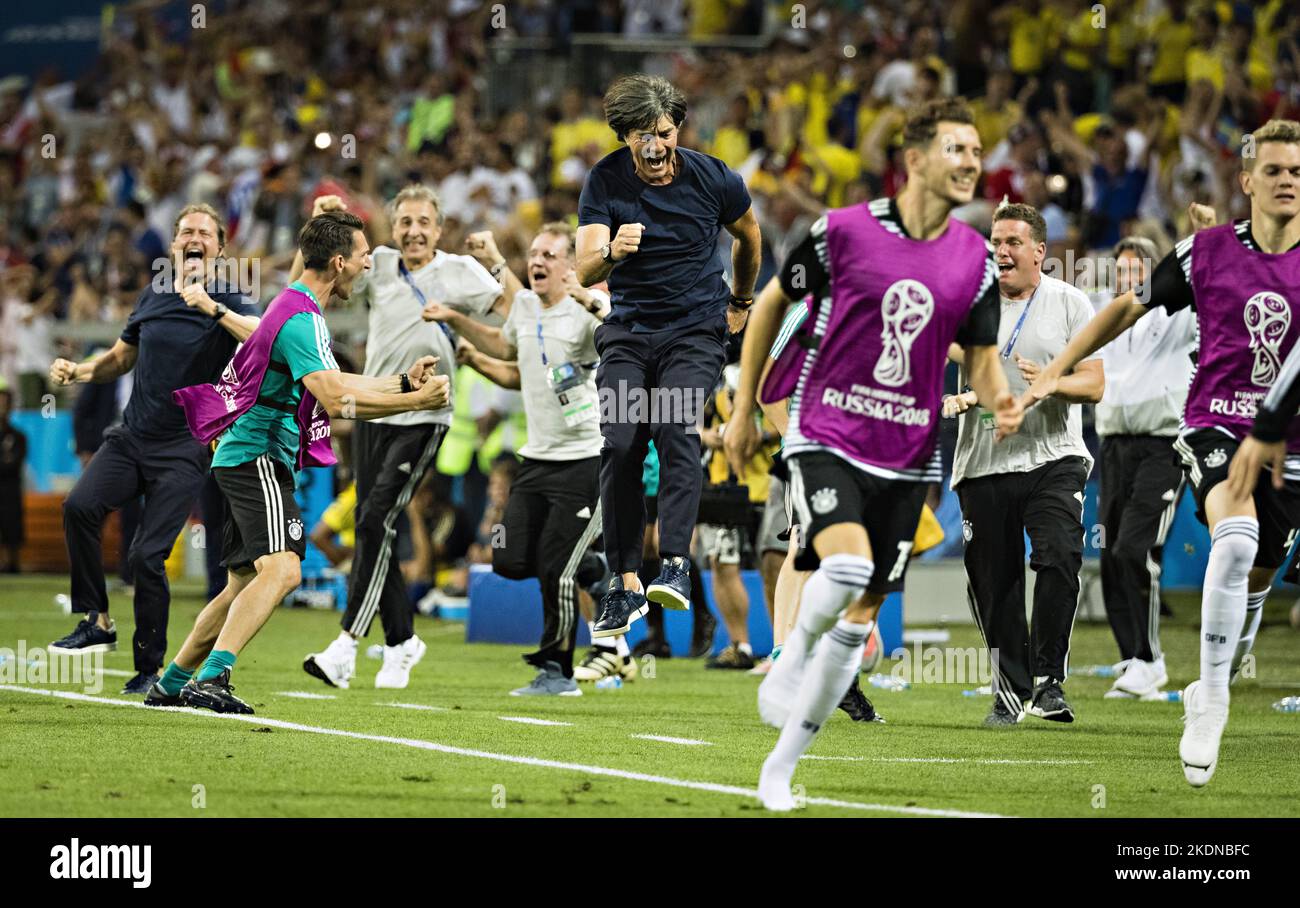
pixel 13 454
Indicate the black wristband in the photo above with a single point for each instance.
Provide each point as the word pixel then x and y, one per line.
pixel 741 303
pixel 406 384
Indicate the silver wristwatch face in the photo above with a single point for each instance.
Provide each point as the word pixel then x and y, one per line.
pixel 607 251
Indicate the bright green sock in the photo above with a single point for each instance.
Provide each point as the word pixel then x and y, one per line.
pixel 217 662
pixel 173 679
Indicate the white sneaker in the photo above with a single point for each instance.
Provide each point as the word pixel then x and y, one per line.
pixel 774 789
pixel 337 664
pixel 398 662
pixel 1199 748
pixel 1140 680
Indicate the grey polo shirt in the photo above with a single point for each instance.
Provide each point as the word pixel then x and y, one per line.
pixel 398 335
pixel 1052 428
pixel 558 429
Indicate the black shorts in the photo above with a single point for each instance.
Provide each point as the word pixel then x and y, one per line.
pixel 826 490
pixel 1205 455
pixel 262 515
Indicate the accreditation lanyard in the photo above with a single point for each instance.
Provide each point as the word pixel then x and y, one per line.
pixel 1020 323
pixel 419 295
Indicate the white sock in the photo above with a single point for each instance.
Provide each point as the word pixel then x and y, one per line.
pixel 837 659
pixel 620 646
pixel 831 589
pixel 1223 603
pixel 347 638
pixel 745 648
pixel 1254 614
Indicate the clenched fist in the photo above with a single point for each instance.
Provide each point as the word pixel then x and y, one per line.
pixel 626 241
pixel 327 203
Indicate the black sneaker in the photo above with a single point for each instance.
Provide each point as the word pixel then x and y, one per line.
pixel 733 657
pixel 87 637
pixel 141 683
pixel 1001 715
pixel 672 588
pixel 653 646
pixel 158 697
pixel 859 708
pixel 702 634
pixel 1049 702
pixel 617 610
pixel 214 694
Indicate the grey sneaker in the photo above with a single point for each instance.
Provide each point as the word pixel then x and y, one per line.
pixel 550 682
pixel 1001 715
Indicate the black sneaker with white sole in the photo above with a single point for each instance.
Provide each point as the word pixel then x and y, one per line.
pixel 672 588
pixel 859 708
pixel 87 637
pixel 214 694
pixel 141 683
pixel 618 608
pixel 1049 702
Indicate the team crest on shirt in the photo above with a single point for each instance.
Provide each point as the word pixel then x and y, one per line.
pixel 1218 457
pixel 1268 318
pixel 295 529
pixel 907 308
pixel 824 501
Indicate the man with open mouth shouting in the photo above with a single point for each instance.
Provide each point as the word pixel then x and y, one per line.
pixel 180 333
pixel 649 220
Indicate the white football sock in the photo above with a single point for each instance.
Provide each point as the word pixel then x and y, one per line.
pixel 1254 614
pixel 832 588
pixel 838 657
pixel 1223 603
pixel 620 645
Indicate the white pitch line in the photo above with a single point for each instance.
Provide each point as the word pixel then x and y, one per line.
pixel 432 709
pixel 304 695
pixel 529 720
pixel 118 672
pixel 689 742
pixel 953 760
pixel 715 788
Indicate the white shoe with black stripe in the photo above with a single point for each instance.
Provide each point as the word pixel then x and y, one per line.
pixel 337 664
pixel 604 663
pixel 395 673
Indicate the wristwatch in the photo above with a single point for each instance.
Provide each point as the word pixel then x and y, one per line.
pixel 607 252
pixel 496 269
pixel 220 312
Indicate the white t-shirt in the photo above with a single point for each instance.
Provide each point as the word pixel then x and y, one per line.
pixel 558 429
pixel 1052 429
pixel 398 335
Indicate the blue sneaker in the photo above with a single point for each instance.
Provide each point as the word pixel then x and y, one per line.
pixel 87 637
pixel 618 609
pixel 672 588
pixel 550 682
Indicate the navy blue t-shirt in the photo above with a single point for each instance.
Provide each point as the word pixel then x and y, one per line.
pixel 675 279
pixel 178 346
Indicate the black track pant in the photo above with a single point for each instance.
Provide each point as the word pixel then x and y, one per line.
pixel 169 474
pixel 998 510
pixel 388 462
pixel 551 519
pixel 1141 482
pixel 653 386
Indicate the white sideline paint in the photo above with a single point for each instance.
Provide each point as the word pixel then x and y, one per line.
pixel 432 709
pixel 304 695
pixel 716 788
pixel 689 742
pixel 953 760
pixel 529 720
pixel 117 672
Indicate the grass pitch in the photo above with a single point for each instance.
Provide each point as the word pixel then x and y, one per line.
pixel 449 752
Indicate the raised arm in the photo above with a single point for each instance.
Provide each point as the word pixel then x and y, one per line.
pixel 116 362
pixel 488 339
pixel 1122 313
pixel 237 326
pixel 354 396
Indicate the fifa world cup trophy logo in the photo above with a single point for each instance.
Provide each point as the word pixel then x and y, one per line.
pixel 1267 318
pixel 907 308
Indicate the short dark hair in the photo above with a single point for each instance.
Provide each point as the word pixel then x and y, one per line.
pixel 326 236
pixel 637 102
pixel 922 123
pixel 1018 211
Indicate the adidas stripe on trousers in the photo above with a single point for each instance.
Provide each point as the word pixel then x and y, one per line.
pixel 388 462
pixel 551 519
